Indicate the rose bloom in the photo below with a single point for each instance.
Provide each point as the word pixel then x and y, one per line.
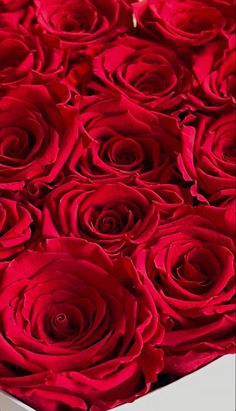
pixel 191 23
pixel 37 134
pixel 191 269
pixel 113 215
pixel 17 226
pixel 26 58
pixel 214 68
pixel 207 157
pixel 116 216
pixel 88 22
pixel 77 330
pixel 149 73
pixel 120 141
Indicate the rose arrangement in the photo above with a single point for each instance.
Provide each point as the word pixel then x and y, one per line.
pixel 117 196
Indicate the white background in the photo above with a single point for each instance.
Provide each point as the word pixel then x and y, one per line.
pixel 212 388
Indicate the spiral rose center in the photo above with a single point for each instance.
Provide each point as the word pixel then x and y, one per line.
pixel 154 83
pixel 195 23
pixel 109 223
pixel 63 324
pixel 123 153
pixel 80 21
pixel 192 272
pixel 15 145
pixel 61 320
pixel 125 158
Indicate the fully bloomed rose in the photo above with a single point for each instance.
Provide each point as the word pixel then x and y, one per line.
pixel 17 226
pixel 78 331
pixel 214 68
pixel 26 58
pixel 207 157
pixel 192 23
pixel 149 73
pixel 191 269
pixel 37 134
pixel 121 141
pixel 86 22
pixel 115 216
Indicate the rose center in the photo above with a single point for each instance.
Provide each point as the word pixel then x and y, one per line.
pixel 109 224
pixel 123 153
pixel 153 84
pixel 195 23
pixel 61 320
pixel 63 324
pixel 193 271
pixel 125 158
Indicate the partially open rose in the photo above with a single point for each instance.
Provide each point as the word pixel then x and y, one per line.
pixel 77 331
pixel 120 141
pixel 90 21
pixel 149 73
pixel 191 23
pixel 37 134
pixel 207 157
pixel 191 269
pixel 115 216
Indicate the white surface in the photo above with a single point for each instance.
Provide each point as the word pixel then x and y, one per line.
pixel 211 388
pixel 8 403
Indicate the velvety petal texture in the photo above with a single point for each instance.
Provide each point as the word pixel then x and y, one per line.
pixel 147 72
pixel 117 197
pixel 37 135
pixel 144 152
pixel 84 23
pixel 191 268
pixel 72 319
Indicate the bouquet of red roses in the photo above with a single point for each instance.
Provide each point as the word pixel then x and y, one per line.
pixel 117 196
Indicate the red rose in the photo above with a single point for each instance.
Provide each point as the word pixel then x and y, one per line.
pixel 207 156
pixel 191 267
pixel 16 226
pixel 115 216
pixel 147 72
pixel 191 23
pixel 214 68
pixel 26 58
pixel 121 141
pixel 37 135
pixel 76 328
pixel 84 23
